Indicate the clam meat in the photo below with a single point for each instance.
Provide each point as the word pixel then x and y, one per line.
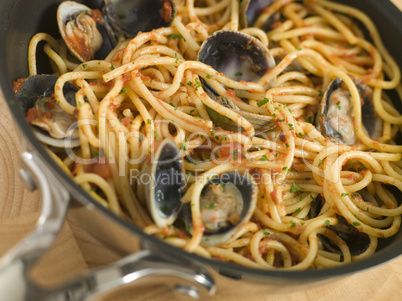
pixel 335 117
pixel 226 204
pixel 84 31
pixel 52 125
pixel 239 57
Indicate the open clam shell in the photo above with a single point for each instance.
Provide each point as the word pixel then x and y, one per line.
pixel 240 57
pixel 227 203
pixel 250 11
pixel 129 17
pixel 52 125
pixel 161 183
pixel 84 31
pixel 335 114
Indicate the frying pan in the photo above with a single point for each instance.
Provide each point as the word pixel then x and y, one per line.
pixel 143 256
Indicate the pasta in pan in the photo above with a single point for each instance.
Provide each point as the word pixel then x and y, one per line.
pixel 319 180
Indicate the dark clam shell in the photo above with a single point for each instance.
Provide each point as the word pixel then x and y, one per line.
pixel 358 242
pixel 248 190
pixel 129 17
pixel 89 42
pixel 39 87
pixel 239 57
pixel 370 119
pixel 161 183
pixel 250 10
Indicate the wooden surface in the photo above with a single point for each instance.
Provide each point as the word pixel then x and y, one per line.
pixel 75 250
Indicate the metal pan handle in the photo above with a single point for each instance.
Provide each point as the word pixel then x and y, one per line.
pixel 186 278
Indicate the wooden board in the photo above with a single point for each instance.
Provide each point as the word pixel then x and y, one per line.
pixel 75 250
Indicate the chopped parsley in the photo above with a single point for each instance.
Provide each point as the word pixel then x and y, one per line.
pixel 356 224
pixel 211 205
pixel 183 146
pixel 296 188
pixel 264 158
pixel 239 73
pixel 197 84
pixel 123 91
pixel 344 194
pixel 112 67
pixel 176 36
pixel 338 104
pixel 84 66
pixel 309 119
pixel 327 223
pixel 262 102
pixel 292 224
pixel 265 232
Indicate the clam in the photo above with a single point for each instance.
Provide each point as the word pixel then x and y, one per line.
pixel 239 57
pixel 52 125
pixel 161 182
pixel 84 31
pixel 358 242
pixel 250 10
pixel 129 17
pixel 335 114
pixel 227 203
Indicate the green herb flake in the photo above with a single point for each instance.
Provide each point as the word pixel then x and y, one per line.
pixel 197 84
pixel 344 194
pixel 263 158
pixel 327 223
pixel 309 119
pixel 208 76
pixel 211 205
pixel 84 66
pixel 292 224
pixel 156 135
pixel 123 91
pixel 176 36
pixel 296 188
pixel 149 121
pixel 112 67
pixel 284 168
pixel 183 146
pixel 262 102
pixel 356 224
pixel 239 73
pixel 338 104
pixel 266 233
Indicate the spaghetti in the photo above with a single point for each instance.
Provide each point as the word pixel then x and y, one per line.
pixel 150 88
